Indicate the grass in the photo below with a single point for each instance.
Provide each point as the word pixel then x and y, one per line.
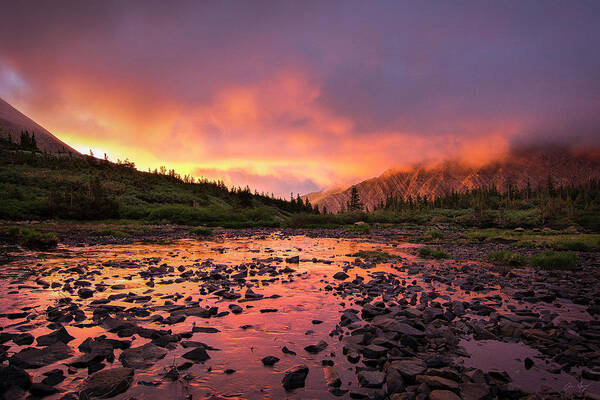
pixel 554 260
pixel 430 236
pixel 109 232
pixel 373 255
pixel 29 238
pixel 363 229
pixel 201 231
pixel 564 239
pixel 430 252
pixel 507 257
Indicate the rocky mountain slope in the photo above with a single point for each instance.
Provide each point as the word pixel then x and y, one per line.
pixel 13 122
pixel 518 167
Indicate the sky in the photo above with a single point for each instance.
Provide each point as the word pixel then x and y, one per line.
pixel 299 96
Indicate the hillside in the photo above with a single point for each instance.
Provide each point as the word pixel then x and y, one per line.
pixel 13 122
pixel 535 166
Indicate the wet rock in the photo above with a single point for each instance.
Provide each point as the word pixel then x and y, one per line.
pixel 371 379
pixel 443 395
pixel 293 260
pixel 198 354
pixel 141 357
pixel 85 293
pixel 409 368
pixel 59 335
pixel 316 348
pixel 394 381
pixel 591 374
pixel 106 383
pixel 341 275
pixel 32 357
pixel 331 376
pixel 295 377
pixel 235 309
pixel 474 391
pixel 11 376
pixel 23 339
pixel 288 351
pixel 53 377
pixel 205 329
pixel 374 351
pixel 42 390
pixel 437 382
pixel 270 360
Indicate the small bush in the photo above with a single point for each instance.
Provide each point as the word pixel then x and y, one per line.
pixel 507 257
pixel 201 231
pixel 360 229
pixel 29 238
pixel 430 236
pixel 430 252
pixel 554 260
pixel 573 245
pixel 109 232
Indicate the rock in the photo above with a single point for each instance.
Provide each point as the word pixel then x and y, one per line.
pixel 295 377
pixel 106 383
pixel 285 350
pixel 341 276
pixel 371 379
pixel 409 368
pixel 42 390
pixel 374 351
pixel 591 374
pixel 443 395
pixel 85 293
pixel 199 354
pixel 331 376
pixel 53 377
pixel 394 381
pixel 23 339
pixel 270 360
pixel 235 309
pixel 474 391
pixel 316 348
pixel 437 382
pixel 293 260
pixel 141 357
pixel 389 324
pixel 59 335
pixel 32 357
pixel 11 376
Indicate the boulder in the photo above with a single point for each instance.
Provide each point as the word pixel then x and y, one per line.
pixel 106 383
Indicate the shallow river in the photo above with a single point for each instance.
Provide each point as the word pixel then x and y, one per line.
pixel 301 299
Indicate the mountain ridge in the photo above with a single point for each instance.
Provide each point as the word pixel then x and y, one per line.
pixel 520 166
pixel 13 122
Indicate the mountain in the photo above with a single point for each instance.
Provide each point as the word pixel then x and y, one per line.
pixel 535 165
pixel 13 122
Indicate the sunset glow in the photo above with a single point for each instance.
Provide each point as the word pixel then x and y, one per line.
pixel 296 99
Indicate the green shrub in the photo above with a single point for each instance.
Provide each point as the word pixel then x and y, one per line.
pixel 430 252
pixel 360 229
pixel 201 231
pixel 109 232
pixel 430 236
pixel 507 257
pixel 554 260
pixel 573 245
pixel 29 238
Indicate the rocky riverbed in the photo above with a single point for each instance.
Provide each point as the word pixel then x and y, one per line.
pixel 275 315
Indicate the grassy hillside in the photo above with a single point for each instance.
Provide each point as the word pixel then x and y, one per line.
pixel 38 186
